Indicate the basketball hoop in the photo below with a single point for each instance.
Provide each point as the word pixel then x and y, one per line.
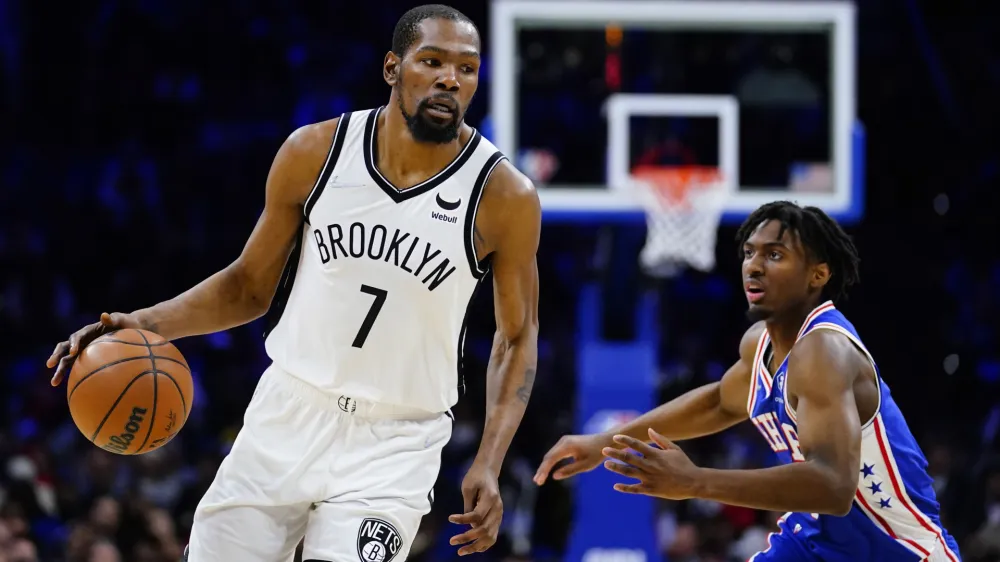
pixel 683 208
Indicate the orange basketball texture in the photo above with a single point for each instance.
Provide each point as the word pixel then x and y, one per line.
pixel 130 391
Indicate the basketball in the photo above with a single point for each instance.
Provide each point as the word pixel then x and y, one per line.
pixel 130 392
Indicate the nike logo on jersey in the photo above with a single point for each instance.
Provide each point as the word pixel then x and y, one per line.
pixel 402 249
pixel 443 217
pixel 448 205
pixel 341 185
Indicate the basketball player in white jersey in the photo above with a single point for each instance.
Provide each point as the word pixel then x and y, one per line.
pixel 377 228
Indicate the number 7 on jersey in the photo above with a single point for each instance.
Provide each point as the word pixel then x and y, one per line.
pixel 366 326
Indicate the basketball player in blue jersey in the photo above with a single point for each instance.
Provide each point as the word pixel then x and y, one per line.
pixel 378 226
pixel 851 476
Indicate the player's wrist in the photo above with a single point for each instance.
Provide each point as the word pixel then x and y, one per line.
pixel 698 483
pixel 607 439
pixel 140 319
pixel 488 462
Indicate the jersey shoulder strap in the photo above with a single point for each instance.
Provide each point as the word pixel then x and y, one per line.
pixel 337 142
pixel 759 377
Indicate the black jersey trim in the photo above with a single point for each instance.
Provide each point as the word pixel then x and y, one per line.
pixel 331 162
pixel 478 268
pixel 400 195
pixel 462 332
pixel 284 290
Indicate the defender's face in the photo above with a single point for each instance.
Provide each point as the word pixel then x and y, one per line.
pixel 777 274
pixel 437 78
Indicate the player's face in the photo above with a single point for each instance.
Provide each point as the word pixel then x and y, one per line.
pixel 777 273
pixel 437 78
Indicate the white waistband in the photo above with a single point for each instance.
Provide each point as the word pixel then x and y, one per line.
pixel 344 403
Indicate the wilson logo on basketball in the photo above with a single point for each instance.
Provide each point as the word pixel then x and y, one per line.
pixel 121 442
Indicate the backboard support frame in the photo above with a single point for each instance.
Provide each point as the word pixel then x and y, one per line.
pixel 602 205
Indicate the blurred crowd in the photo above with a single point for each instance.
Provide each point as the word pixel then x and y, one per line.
pixel 136 139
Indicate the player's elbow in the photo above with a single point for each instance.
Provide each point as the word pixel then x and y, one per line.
pixel 522 332
pixel 833 488
pixel 247 294
pixel 523 342
pixel 516 346
pixel 841 490
pixel 841 504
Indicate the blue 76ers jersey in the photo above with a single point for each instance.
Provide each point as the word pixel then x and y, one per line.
pixel 895 512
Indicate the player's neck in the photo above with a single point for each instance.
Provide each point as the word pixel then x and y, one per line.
pixel 783 328
pixel 400 155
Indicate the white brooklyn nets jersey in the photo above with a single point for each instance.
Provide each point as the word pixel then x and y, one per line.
pixel 374 297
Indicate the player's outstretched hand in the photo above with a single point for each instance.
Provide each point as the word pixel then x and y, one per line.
pixel 582 451
pixel 483 511
pixel 65 352
pixel 664 473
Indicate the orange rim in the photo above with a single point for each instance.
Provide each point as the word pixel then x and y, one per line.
pixel 672 183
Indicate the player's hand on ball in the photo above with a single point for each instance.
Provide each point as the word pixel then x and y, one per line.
pixel 665 473
pixel 582 451
pixel 483 511
pixel 65 352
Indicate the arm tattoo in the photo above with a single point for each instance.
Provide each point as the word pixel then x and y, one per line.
pixel 524 393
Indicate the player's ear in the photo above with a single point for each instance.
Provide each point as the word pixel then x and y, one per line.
pixel 820 275
pixel 390 68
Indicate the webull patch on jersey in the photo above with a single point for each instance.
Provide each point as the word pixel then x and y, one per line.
pixel 443 217
pixel 378 540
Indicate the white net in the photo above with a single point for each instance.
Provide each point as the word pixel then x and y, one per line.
pixel 683 210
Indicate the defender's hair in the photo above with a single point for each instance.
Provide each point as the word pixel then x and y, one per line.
pixel 408 27
pixel 820 235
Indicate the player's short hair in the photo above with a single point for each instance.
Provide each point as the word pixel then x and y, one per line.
pixel 821 236
pixel 408 27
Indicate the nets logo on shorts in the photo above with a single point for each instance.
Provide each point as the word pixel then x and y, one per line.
pixel 378 541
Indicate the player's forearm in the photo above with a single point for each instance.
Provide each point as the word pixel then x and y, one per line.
pixel 694 414
pixel 805 487
pixel 224 300
pixel 509 379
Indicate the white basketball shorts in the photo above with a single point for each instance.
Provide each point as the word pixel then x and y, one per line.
pixel 354 478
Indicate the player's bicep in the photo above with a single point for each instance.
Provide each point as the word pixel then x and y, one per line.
pixel 271 239
pixel 293 174
pixel 515 270
pixel 734 388
pixel 516 296
pixel 829 429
